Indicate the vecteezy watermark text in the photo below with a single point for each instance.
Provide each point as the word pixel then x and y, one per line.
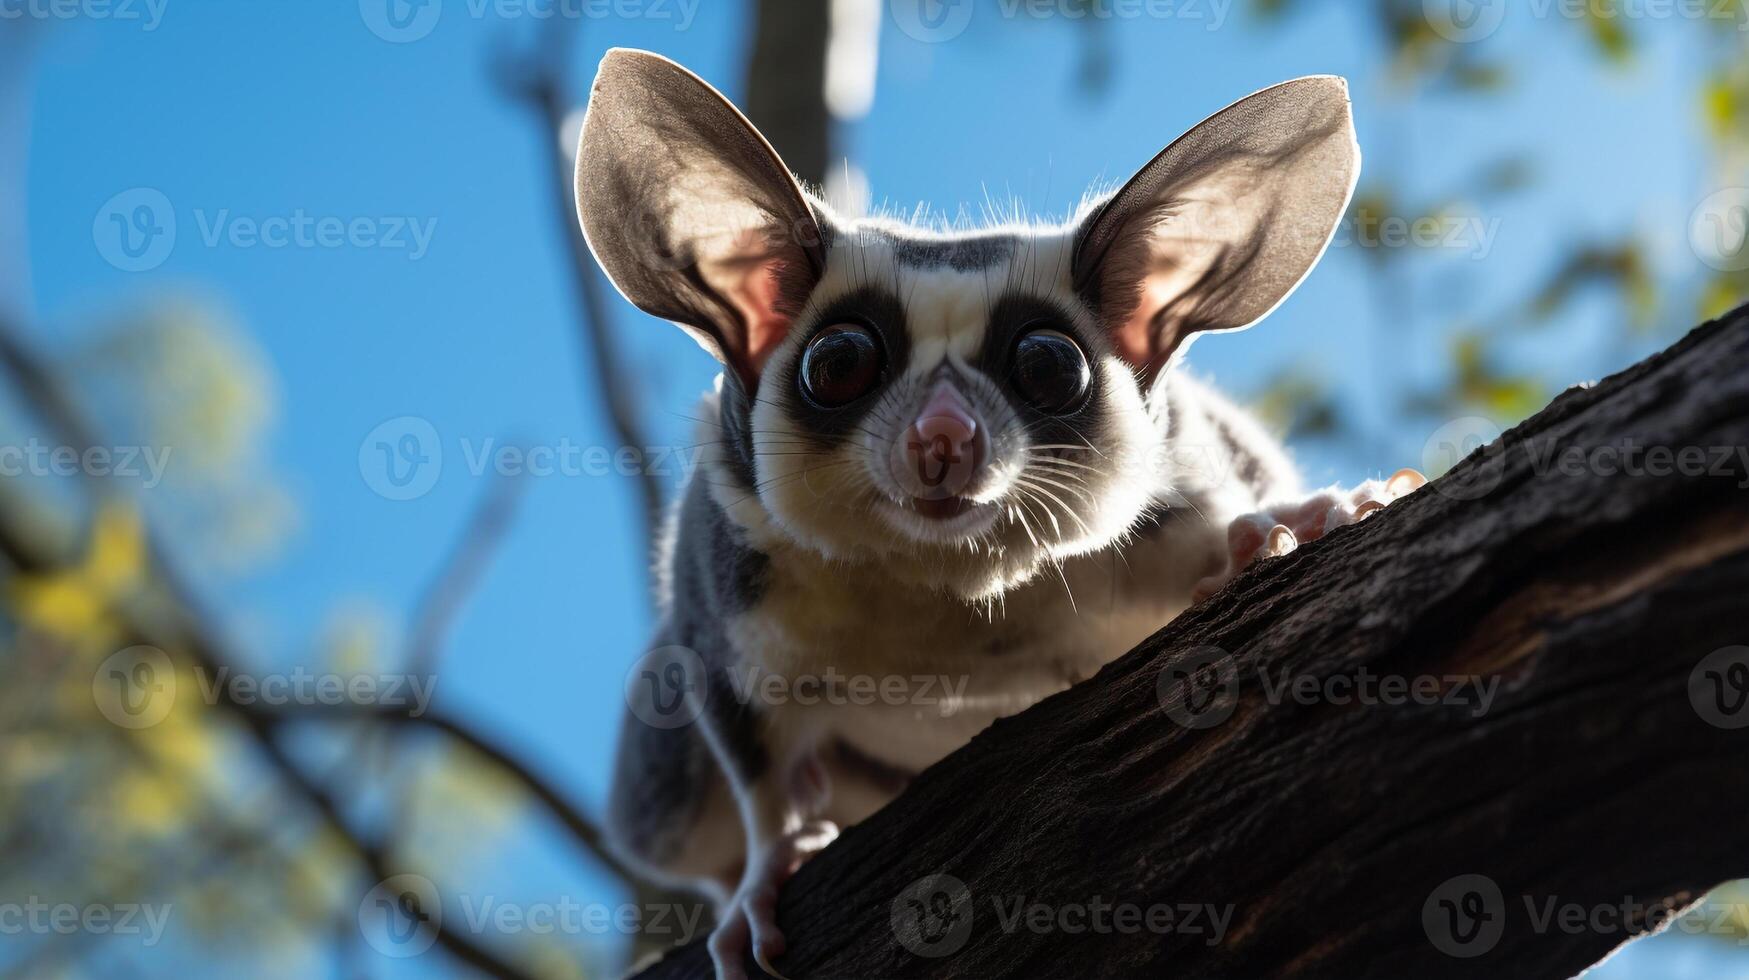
pixel 1467 915
pixel 402 458
pixel 568 917
pixel 400 915
pixel 1212 14
pixel 671 686
pixel 36 917
pixel 300 229
pixel 756 685
pixel 406 21
pixel 1471 234
pixel 40 459
pixel 1466 21
pixel 932 917
pixel 138 687
pixel 1200 689
pixel 137 230
pixel 1475 436
pixel 147 13
pixel 939 21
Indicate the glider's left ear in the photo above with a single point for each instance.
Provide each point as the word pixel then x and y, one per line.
pixel 1220 227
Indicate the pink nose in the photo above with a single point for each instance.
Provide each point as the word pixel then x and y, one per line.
pixel 944 448
pixel 946 422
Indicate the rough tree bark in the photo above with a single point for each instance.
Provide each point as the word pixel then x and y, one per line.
pixel 1344 837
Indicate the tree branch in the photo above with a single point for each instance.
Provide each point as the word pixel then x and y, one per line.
pixel 571 817
pixel 1347 835
pixel 188 635
pixel 538 82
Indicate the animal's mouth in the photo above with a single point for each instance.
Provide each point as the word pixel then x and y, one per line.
pixel 942 508
pixel 938 520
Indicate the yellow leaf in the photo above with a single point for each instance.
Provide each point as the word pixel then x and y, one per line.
pixel 118 549
pixel 73 604
pixel 149 803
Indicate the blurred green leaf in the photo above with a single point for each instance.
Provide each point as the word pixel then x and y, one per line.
pixel 1298 404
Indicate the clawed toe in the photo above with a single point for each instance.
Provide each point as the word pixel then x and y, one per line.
pixel 749 920
pixel 1282 529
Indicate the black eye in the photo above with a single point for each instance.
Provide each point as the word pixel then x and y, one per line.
pixel 841 364
pixel 1050 371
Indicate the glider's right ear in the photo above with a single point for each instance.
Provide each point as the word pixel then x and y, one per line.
pixel 691 213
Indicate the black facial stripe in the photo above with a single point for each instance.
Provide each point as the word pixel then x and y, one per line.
pixel 1013 315
pixel 735 418
pixel 958 254
pixel 881 312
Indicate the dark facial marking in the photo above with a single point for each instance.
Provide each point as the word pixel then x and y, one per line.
pixel 959 254
pixel 1050 370
pixel 841 364
pixel 735 424
pixel 881 312
pixel 1014 316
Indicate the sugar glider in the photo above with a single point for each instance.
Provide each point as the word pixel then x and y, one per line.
pixel 958 454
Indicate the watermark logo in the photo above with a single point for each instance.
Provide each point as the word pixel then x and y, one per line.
pixel 36 458
pixel 37 917
pixel 135 231
pixel 1718 231
pixel 932 21
pixel 932 917
pixel 1457 440
pixel 1200 689
pixel 1718 688
pixel 1471 234
pixel 135 688
pixel 401 915
pixel 149 13
pixel 402 458
pixel 1104 916
pixel 406 21
pixel 302 230
pixel 401 21
pixel 668 687
pixel 1464 21
pixel 1465 916
pixel 1211 13
pixel 569 917
pixel 944 692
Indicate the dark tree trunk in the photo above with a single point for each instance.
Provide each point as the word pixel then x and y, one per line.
pixel 786 82
pixel 1349 839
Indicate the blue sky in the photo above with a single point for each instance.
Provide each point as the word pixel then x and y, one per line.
pixel 279 108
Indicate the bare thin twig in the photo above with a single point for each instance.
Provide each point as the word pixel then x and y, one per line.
pixel 538 82
pixel 581 829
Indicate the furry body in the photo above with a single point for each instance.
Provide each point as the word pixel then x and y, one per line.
pixel 956 472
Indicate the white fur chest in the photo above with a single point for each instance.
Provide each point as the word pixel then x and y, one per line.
pixel 906 675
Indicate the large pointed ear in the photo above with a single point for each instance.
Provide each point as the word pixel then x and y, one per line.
pixel 690 212
pixel 1220 227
